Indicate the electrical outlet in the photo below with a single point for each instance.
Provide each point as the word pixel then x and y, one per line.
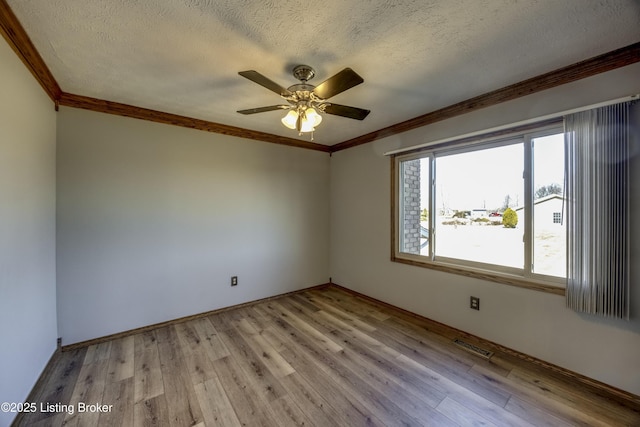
pixel 234 280
pixel 475 303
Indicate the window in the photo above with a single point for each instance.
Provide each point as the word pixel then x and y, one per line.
pixel 493 208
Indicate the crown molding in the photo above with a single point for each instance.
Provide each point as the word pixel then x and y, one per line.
pixel 109 107
pixel 21 44
pixel 598 64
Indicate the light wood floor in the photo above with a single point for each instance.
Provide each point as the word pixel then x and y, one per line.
pixel 319 358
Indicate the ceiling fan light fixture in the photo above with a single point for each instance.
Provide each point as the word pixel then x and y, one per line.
pixel 313 116
pixel 309 119
pixel 306 126
pixel 290 119
pixel 304 121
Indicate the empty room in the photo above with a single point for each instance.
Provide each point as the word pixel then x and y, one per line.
pixel 416 213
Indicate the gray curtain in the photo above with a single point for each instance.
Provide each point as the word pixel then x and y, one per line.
pixel 597 147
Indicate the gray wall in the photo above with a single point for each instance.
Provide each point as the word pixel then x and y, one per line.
pixel 27 230
pixel 532 322
pixel 153 220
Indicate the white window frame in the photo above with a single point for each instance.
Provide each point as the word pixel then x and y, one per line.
pixel 523 277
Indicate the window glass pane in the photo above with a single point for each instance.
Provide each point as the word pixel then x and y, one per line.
pixel 414 226
pixel 479 199
pixel 549 232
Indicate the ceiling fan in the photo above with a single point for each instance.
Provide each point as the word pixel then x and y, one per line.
pixel 305 101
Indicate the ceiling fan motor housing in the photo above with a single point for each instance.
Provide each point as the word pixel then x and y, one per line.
pixel 301 87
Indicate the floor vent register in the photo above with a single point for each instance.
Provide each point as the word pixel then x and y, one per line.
pixel 485 354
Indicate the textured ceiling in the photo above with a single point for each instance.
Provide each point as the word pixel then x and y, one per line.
pixel 182 57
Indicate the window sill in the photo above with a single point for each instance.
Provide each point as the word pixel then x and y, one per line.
pixel 507 279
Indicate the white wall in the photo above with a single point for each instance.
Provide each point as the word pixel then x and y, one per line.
pixel 27 230
pixel 153 220
pixel 529 321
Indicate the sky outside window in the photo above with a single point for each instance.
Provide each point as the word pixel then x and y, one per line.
pixel 480 179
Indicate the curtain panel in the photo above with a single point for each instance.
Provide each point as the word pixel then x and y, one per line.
pixel 597 150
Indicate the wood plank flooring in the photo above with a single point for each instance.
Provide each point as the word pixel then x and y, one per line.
pixel 322 357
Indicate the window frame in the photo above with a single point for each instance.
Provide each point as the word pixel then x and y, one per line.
pixel 522 277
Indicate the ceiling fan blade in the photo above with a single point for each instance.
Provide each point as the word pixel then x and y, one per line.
pixel 263 109
pixel 256 77
pixel 345 79
pixel 346 111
